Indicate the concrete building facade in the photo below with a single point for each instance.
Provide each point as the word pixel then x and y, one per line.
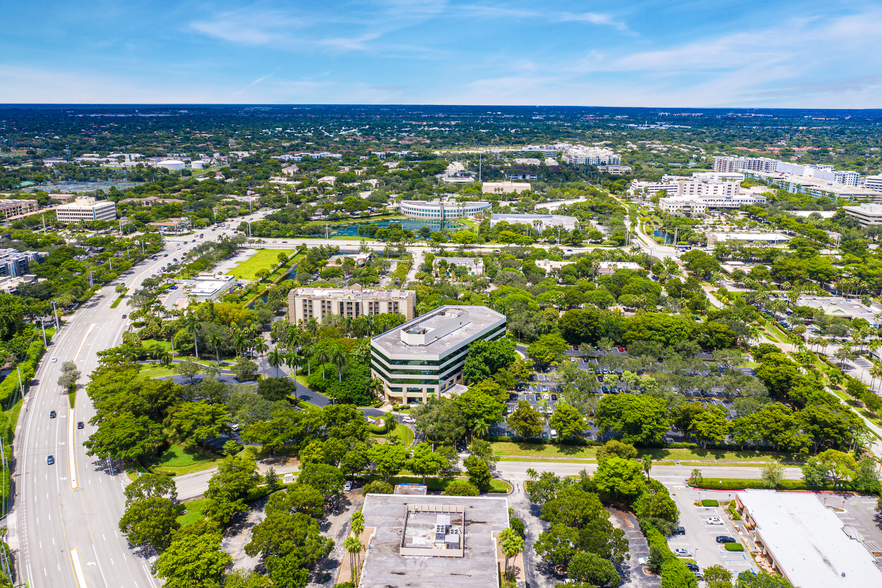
pixel 317 303
pixel 425 357
pixel 439 210
pixel 10 208
pixel 86 209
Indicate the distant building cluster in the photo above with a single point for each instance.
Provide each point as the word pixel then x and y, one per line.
pixel 697 195
pixel 15 263
pixel 10 208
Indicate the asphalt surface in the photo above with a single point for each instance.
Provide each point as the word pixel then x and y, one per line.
pixel 63 523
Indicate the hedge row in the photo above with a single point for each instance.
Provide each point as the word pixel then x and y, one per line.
pixel 674 573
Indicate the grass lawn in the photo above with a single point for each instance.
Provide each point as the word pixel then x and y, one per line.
pixel 151 343
pixel 195 511
pixel 404 434
pixel 179 460
pixel 504 448
pixel 264 259
pixel 156 371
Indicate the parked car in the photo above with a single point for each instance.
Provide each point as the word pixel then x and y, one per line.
pixel 643 561
pixel 692 567
pixel 347 486
pixel 680 531
pixel 714 521
pixel 682 553
pixel 725 539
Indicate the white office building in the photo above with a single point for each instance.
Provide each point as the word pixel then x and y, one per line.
pixel 873 183
pixel 424 357
pixel 699 205
pixel 866 214
pixel 694 187
pixel 86 209
pixel 727 164
pixel 582 155
pixel 439 210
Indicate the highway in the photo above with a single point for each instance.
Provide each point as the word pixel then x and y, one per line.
pixel 64 517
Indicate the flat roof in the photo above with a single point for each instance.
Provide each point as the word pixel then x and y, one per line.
pixel 353 294
pixel 808 541
pixel 208 287
pixel 852 308
pixel 384 567
pixel 750 236
pixel 480 319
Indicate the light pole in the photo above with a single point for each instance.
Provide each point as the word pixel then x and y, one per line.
pixel 55 310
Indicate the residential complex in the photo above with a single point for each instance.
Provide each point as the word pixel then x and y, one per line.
pixel 806 541
pixel 10 208
pixel 440 210
pixel 581 155
pixel 425 356
pixel 86 209
pixel 17 263
pixel 738 164
pixel 316 303
pixel 686 187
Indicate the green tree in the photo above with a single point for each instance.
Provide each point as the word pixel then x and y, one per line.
pixel 771 474
pixel 620 477
pixel 634 418
pixel 243 579
pixel 526 421
pixel 441 420
pixel 388 459
pixel 244 368
pixel 193 560
pixel 188 369
pixel 275 389
pixel 709 426
pixel 150 521
pixel 325 478
pixel 425 462
pixel 511 544
pixel 547 349
pixel 198 420
pixel 866 476
pixel 761 580
pixel 675 574
pixel 478 472
pixel 235 478
pixel 149 486
pixel 593 570
pixel 485 358
pixel 291 544
pixel 613 448
pixel 461 488
pixel 126 437
pixel 717 576
pixel 567 421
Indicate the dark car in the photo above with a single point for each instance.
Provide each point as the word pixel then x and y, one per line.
pixel 693 567
pixel 125 315
pixel 680 531
pixel 50 460
pixel 725 539
pixel 51 414
pixel 80 425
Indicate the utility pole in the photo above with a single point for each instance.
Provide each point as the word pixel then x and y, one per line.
pixel 55 310
pixel 43 326
pixel 44 221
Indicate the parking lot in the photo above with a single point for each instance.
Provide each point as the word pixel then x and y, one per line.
pixel 700 536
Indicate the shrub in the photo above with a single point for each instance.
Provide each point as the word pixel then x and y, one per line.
pixel 518 525
pixel 378 487
pixel 710 503
pixel 461 488
pixel 734 547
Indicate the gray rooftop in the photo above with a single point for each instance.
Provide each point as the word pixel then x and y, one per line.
pixel 842 307
pixel 385 568
pixel 455 326
pixel 808 541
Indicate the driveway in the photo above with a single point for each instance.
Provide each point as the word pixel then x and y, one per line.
pixel 631 572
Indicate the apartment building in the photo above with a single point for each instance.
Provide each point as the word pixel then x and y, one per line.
pixel 316 303
pixel 724 164
pixel 17 263
pixel 86 209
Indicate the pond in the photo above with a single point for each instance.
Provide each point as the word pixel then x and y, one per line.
pixel 411 224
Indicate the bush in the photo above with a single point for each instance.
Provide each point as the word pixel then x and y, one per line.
pixel 734 547
pixel 378 487
pixel 710 503
pixel 518 525
pixel 461 488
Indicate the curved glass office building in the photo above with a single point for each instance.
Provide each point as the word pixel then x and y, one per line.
pixel 425 356
pixel 438 210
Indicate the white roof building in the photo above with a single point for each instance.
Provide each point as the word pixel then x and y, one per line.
pixel 86 209
pixel 806 541
pixel 606 268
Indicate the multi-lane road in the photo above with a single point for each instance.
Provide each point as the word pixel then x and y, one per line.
pixel 63 524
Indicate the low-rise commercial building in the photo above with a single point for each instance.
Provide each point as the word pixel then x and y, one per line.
pixel 873 183
pixel 441 210
pixel 537 221
pixel 10 208
pixel 433 541
pixel 865 214
pixel 805 541
pixel 837 306
pixel 86 209
pixel 767 238
pixel 474 265
pixel 607 268
pixel 210 287
pixel 172 225
pixel 505 187
pixel 424 357
pixel 317 303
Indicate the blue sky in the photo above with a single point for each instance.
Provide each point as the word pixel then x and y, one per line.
pixel 774 53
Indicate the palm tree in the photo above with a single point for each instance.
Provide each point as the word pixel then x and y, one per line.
pixel 240 342
pixel 260 347
pixel 511 544
pixel 306 351
pixel 340 359
pixel 480 429
pixel 293 361
pixel 322 356
pixel 215 340
pixel 165 359
pixel 192 323
pixel 353 547
pixel 875 371
pixel 276 359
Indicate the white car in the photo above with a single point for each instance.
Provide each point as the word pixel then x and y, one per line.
pixel 682 553
pixel 54 359
pixel 347 486
pixel 714 521
pixel 643 561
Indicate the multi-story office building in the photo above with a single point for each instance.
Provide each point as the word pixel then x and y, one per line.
pixel 316 303
pixel 10 208
pixel 873 183
pixel 86 209
pixel 865 214
pixel 17 263
pixel 439 210
pixel 424 357
pixel 698 205
pixel 694 187
pixel 581 155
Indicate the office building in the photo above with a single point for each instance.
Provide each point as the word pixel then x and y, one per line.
pixel 424 357
pixel 805 541
pixel 317 303
pixel 686 187
pixel 537 221
pixel 10 208
pixel 210 287
pixel 505 187
pixel 865 214
pixel 172 225
pixel 608 268
pixel 582 155
pixel 18 263
pixel 873 183
pixel 699 205
pixel 434 541
pixel 723 164
pixel 440 210
pixel 85 209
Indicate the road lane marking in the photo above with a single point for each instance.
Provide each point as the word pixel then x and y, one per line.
pixel 78 568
